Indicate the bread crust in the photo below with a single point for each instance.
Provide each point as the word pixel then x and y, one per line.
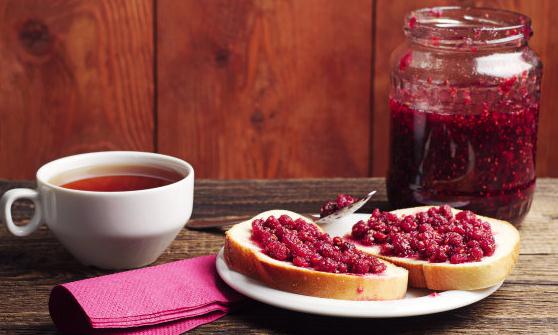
pixel 466 276
pixel 244 256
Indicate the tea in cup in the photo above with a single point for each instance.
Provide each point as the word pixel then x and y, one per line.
pixel 113 209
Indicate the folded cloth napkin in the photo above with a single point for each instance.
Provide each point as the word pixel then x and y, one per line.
pixel 165 299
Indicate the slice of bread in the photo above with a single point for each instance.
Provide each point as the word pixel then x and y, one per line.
pixel 246 257
pixel 465 276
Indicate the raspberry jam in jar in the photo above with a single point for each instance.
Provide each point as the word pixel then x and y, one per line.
pixel 464 104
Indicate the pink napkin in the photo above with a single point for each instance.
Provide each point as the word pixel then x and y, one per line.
pixel 165 299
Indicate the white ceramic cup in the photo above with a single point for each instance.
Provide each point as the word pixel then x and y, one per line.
pixel 111 230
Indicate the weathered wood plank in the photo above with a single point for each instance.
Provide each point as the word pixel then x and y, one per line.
pixel 75 76
pixel 265 89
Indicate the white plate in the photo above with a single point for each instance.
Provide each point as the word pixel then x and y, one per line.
pixel 416 301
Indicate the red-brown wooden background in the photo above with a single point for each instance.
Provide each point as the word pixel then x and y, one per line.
pixel 241 89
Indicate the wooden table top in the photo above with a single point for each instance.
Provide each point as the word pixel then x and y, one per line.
pixel 526 303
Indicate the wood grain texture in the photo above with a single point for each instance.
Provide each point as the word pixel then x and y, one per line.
pixel 75 76
pixel 265 89
pixel 389 34
pixel 527 303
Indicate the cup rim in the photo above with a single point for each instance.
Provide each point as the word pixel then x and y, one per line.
pixel 41 180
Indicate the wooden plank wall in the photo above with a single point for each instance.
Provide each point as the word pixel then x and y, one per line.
pixel 241 89
pixel 266 88
pixel 75 76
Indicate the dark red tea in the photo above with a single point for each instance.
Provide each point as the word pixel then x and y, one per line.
pixel 117 183
pixel 117 178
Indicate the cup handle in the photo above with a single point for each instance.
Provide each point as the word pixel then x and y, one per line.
pixel 6 207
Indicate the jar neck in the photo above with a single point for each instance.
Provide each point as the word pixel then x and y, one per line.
pixel 467 28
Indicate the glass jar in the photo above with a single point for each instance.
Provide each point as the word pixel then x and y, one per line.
pixel 464 105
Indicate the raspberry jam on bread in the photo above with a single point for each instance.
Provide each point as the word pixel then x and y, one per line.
pixel 443 248
pixel 435 235
pixel 267 247
pixel 301 243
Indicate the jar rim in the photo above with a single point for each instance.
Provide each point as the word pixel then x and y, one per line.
pixel 459 27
